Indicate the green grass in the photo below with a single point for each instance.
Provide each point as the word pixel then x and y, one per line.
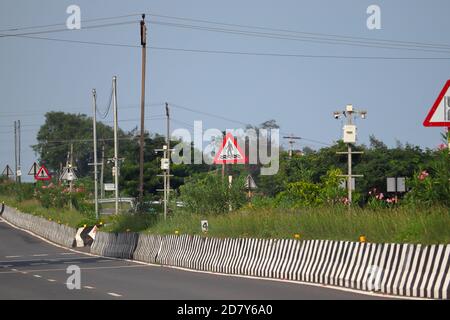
pixel 401 225
pixel 398 225
pixel 71 218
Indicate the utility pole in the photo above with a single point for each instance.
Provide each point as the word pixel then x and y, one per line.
pixel 291 141
pixel 19 171
pixel 350 138
pixel 71 180
pixel 143 30
pixel 168 156
pixel 15 150
pixel 102 168
pixel 116 147
pixel 94 120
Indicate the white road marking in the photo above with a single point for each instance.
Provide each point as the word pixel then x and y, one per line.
pixel 53 260
pixel 40 255
pixel 9 257
pixel 37 276
pixel 83 269
pixel 114 294
pixel 89 287
pixel 15 270
pixel 51 280
pixel 23 272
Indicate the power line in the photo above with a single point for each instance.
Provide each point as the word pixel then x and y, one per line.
pixel 309 38
pixel 13 29
pixel 242 53
pixel 66 29
pixel 288 33
pixel 299 32
pixel 237 121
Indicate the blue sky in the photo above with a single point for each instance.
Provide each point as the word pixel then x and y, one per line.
pixel 300 93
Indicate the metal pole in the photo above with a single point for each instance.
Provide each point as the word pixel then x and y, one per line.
pixel 71 181
pixel 18 152
pixel 168 152
pixel 116 147
pixel 349 179
pixel 102 168
pixel 15 149
pixel 94 128
pixel 143 29
pixel 165 186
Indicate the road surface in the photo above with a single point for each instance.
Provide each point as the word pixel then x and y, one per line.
pixel 31 268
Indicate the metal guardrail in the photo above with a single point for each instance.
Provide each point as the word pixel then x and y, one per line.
pixel 131 201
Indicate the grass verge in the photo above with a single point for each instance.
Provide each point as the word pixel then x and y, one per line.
pixel 399 225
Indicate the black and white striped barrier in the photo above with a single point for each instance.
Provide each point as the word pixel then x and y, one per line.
pixel 85 236
pixel 398 269
pixel 55 232
pixel 2 209
pixel 118 245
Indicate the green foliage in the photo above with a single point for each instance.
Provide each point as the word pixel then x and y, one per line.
pixel 431 187
pixel 308 194
pixel 211 194
pixel 299 194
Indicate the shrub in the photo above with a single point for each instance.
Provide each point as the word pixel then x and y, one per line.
pixel 212 194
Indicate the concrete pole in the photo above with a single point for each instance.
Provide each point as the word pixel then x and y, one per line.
pixel 116 147
pixel 94 128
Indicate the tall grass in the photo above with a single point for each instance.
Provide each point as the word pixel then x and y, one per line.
pixel 401 225
pixel 71 218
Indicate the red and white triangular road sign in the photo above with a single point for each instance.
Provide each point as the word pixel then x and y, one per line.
pixel 230 152
pixel 42 174
pixel 439 114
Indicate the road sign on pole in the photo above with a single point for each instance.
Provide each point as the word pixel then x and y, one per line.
pixel 230 152
pixel 439 114
pixel 7 171
pixel 33 170
pixel 42 174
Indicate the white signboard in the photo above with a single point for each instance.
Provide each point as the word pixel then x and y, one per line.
pixel 109 187
pixel 204 224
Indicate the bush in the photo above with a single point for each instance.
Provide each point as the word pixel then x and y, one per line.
pixel 431 187
pixel 212 194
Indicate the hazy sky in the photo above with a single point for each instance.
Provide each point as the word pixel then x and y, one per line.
pixel 300 93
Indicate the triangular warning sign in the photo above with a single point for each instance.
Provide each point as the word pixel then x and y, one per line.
pixel 439 114
pixel 230 152
pixel 33 170
pixel 42 174
pixel 250 183
pixel 7 171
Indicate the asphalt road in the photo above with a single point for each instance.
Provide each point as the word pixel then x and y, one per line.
pixel 31 268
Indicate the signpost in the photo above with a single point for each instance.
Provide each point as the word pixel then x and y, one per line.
pixel 7 171
pixel 230 152
pixel 42 174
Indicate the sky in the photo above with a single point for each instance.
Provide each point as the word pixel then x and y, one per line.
pixel 300 93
